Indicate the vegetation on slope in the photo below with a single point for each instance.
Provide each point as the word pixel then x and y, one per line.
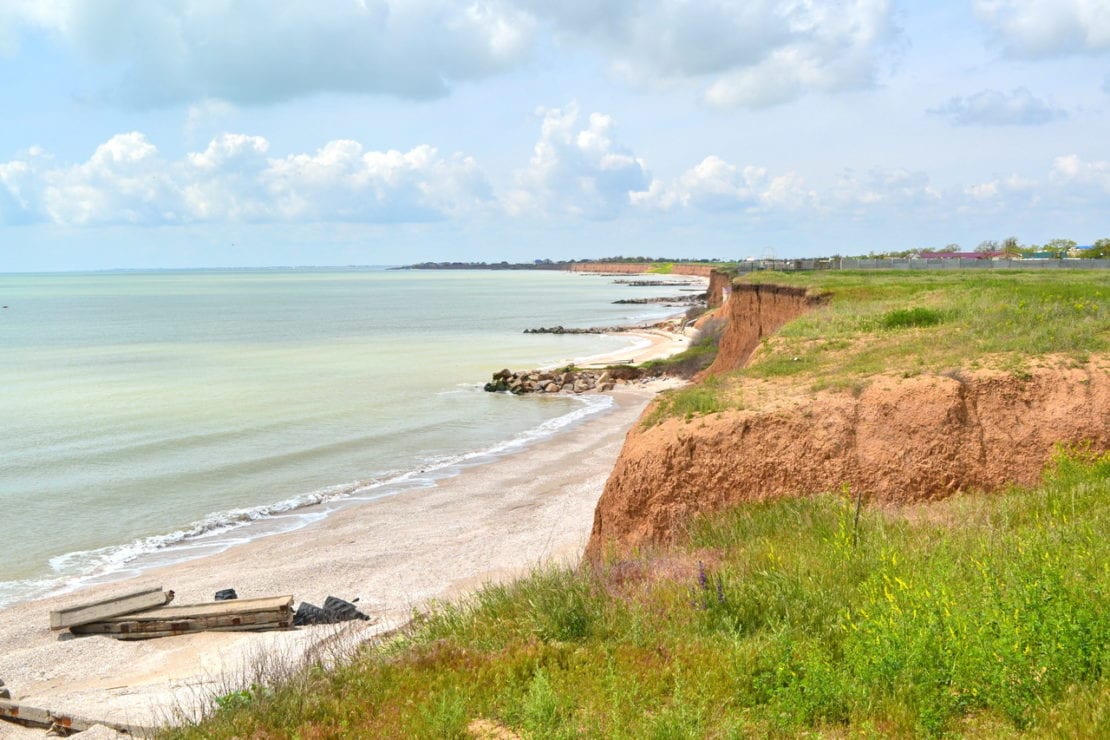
pixel 912 322
pixel 983 616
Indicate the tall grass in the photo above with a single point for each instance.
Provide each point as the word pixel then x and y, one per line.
pixel 983 616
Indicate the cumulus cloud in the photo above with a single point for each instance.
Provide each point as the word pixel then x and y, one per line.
pixel 256 51
pixel 577 169
pixel 995 108
pixel 1043 28
pixel 127 180
pixel 743 53
pixel 878 188
pixel 1075 174
pixel 715 185
pixel 750 53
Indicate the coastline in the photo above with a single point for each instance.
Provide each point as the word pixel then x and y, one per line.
pixel 488 522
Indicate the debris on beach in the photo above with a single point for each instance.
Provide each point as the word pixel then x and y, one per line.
pixel 94 611
pixel 270 613
pixel 64 723
pixel 334 610
pixel 143 615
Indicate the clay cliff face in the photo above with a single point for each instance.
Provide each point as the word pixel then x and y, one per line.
pixel 753 312
pixel 900 439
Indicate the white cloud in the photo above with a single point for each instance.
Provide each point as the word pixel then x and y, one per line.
pixel 716 185
pixel 127 180
pixel 1000 195
pixel 882 189
pixel 577 169
pixel 258 51
pixel 994 108
pixel 1075 174
pixel 1043 28
pixel 747 54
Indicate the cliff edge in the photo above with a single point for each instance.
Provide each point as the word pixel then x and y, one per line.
pixel 896 439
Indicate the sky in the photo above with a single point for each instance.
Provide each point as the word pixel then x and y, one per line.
pixel 211 133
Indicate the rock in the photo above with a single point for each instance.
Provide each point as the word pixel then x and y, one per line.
pixel 226 594
pixel 605 386
pixel 581 386
pixel 568 377
pixel 551 388
pixel 605 377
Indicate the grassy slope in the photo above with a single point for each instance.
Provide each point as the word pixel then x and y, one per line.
pixel 983 616
pixel 918 321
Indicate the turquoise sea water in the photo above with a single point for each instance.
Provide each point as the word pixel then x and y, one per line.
pixel 152 416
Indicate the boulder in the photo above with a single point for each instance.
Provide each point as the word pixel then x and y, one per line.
pixel 551 388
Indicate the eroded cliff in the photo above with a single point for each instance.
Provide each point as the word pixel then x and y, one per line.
pixel 894 439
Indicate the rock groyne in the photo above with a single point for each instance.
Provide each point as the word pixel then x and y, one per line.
pixel 568 380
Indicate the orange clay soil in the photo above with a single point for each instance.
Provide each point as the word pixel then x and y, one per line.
pixel 897 440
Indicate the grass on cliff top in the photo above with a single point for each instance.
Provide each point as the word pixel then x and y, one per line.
pixel 913 322
pixel 977 616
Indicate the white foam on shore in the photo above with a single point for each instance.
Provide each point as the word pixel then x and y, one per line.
pixel 211 534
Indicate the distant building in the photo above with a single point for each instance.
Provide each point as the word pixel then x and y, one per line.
pixel 961 255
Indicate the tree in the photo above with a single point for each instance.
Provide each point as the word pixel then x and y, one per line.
pixel 1099 250
pixel 949 248
pixel 1059 247
pixel 1010 247
pixel 987 246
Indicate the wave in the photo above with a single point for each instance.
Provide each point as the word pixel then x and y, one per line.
pixel 210 534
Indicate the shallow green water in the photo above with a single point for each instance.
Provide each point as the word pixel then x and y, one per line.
pixel 155 412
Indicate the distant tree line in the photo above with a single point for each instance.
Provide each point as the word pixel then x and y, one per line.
pixel 1009 247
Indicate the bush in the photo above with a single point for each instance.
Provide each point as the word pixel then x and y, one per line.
pixel 906 318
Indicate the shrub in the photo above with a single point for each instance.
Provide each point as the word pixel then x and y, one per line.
pixel 906 318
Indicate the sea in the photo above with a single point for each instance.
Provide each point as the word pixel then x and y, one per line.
pixel 150 417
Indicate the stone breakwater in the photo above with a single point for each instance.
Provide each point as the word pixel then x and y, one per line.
pixel 590 330
pixel 561 381
pixel 679 300
pixel 674 324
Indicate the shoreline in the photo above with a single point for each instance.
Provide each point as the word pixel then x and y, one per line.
pixel 486 523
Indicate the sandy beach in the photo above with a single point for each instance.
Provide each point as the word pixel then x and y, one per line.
pixel 490 522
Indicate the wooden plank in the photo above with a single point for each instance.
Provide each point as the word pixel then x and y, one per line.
pixel 106 608
pixel 212 609
pixel 38 717
pixel 169 633
pixel 197 624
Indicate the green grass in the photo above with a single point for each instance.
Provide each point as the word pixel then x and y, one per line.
pixel 689 402
pixel 905 318
pixel 982 616
pixel 913 322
